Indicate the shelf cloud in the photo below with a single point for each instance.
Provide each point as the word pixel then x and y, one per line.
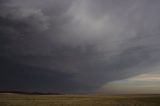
pixel 87 42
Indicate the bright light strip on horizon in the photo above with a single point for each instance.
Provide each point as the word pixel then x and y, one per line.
pixel 146 77
pixel 148 83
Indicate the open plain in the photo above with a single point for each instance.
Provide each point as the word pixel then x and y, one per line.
pixel 13 99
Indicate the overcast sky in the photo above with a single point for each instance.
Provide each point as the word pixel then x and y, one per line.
pixel 78 45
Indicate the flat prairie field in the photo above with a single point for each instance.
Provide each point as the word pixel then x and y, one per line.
pixel 13 99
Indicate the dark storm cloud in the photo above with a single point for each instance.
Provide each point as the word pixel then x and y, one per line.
pixel 87 42
pixel 19 28
pixel 17 76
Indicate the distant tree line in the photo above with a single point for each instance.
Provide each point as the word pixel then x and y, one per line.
pixel 31 93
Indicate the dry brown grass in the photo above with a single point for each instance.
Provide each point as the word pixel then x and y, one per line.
pixel 10 99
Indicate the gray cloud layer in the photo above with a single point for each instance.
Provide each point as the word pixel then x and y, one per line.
pixel 95 40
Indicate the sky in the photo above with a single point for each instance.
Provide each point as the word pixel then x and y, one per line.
pixel 80 45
